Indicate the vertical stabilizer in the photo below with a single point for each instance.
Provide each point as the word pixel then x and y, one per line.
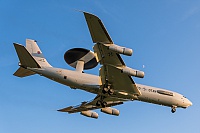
pixel 29 57
pixel 35 51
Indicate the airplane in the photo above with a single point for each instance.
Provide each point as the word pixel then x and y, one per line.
pixel 113 86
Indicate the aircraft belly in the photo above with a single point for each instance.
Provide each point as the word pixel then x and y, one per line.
pixel 72 79
pixel 155 98
pixel 113 86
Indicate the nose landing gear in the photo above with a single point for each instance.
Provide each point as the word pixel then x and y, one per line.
pixel 173 110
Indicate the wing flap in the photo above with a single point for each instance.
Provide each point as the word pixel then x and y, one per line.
pixel 109 71
pixel 120 82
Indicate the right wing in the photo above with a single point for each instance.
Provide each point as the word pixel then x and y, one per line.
pixel 91 105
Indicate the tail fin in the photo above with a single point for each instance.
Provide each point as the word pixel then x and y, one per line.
pixel 35 51
pixel 31 57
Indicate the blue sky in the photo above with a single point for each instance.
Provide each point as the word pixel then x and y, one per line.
pixel 165 37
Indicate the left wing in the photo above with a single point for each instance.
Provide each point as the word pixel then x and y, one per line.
pixel 91 105
pixel 97 30
pixel 108 54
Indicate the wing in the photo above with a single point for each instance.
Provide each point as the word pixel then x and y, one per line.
pixel 110 60
pixel 97 30
pixel 110 72
pixel 91 105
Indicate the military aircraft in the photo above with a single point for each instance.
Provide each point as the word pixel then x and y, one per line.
pixel 114 84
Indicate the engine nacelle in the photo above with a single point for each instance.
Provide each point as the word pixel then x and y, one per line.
pixel 133 72
pixel 90 114
pixel 121 50
pixel 111 111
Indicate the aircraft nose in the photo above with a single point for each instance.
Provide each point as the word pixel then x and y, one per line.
pixel 189 103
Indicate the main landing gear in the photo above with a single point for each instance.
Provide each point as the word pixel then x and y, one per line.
pixel 101 102
pixel 173 109
pixel 106 90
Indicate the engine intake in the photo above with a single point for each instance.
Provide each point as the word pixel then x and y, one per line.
pixel 121 50
pixel 90 114
pixel 133 72
pixel 110 111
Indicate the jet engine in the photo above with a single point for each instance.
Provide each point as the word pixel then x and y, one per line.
pixel 90 114
pixel 111 111
pixel 121 50
pixel 133 72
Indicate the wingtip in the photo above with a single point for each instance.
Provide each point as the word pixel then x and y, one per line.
pixel 15 44
pixel 77 10
pixel 90 14
pixel 65 109
pixel 82 11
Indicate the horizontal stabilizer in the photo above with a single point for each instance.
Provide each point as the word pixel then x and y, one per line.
pixel 36 53
pixel 22 72
pixel 26 60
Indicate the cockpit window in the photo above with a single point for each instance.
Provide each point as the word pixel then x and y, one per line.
pixel 184 96
pixel 165 92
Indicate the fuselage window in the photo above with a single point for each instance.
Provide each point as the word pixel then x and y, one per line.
pixel 165 92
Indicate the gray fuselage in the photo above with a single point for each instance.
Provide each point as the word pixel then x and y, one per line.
pixel 91 83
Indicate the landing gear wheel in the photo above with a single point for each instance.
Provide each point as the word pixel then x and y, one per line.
pixel 103 104
pixel 105 90
pixel 173 110
pixel 98 103
pixel 110 91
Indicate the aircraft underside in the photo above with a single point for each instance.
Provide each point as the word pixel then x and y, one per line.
pixel 113 86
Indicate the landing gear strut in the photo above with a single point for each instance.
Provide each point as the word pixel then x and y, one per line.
pixel 101 102
pixel 173 109
pixel 98 103
pixel 107 89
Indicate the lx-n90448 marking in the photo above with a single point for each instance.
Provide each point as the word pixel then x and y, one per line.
pixel 112 87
